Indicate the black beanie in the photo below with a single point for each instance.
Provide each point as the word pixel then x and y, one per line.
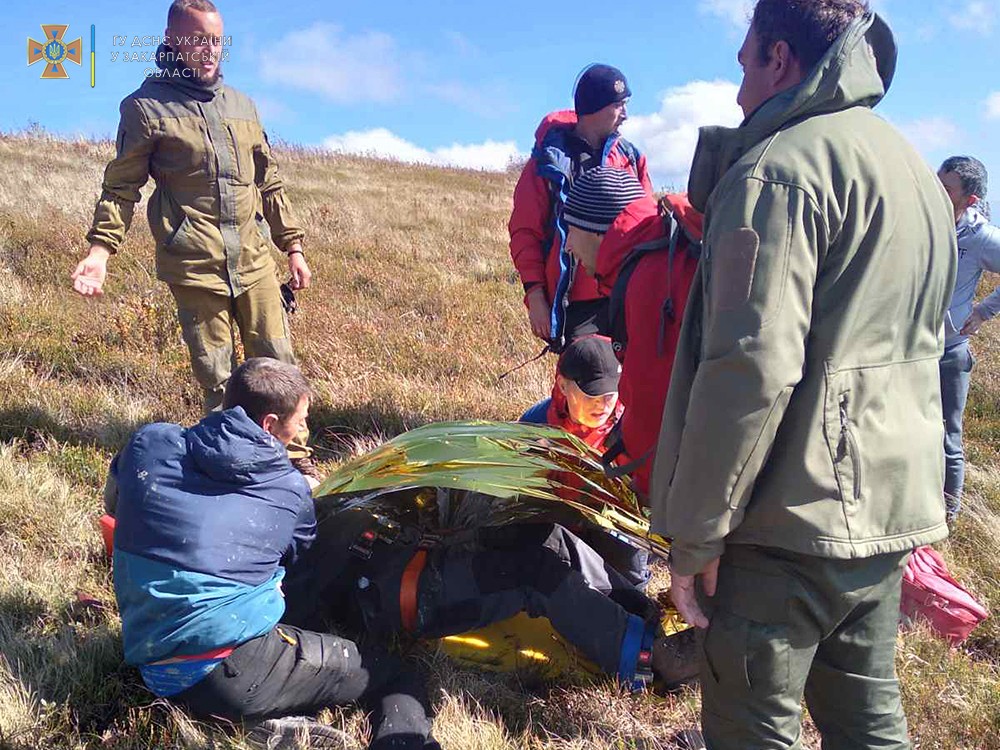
pixel 597 87
pixel 598 196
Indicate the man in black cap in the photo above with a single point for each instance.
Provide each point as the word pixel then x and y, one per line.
pixel 585 400
pixel 562 299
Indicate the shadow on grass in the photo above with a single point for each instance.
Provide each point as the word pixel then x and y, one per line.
pixel 34 425
pixel 87 674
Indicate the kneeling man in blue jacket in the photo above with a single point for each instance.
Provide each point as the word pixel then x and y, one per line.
pixel 207 521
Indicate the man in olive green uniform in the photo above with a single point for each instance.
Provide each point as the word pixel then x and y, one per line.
pixel 800 455
pixel 218 205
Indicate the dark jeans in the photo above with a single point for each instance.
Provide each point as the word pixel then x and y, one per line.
pixel 785 625
pixel 303 672
pixel 956 374
pixel 631 561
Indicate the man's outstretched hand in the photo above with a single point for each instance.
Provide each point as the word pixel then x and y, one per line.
pixel 684 596
pixel 88 278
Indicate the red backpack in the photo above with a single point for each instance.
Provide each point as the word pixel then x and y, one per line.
pixel 930 592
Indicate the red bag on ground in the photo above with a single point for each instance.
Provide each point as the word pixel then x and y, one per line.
pixel 930 592
pixel 107 526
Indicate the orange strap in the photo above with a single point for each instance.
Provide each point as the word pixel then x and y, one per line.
pixel 408 590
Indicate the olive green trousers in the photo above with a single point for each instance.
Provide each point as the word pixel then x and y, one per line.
pixel 786 625
pixel 209 322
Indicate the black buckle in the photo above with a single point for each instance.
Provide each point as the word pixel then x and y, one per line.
pixel 643 670
pixel 364 545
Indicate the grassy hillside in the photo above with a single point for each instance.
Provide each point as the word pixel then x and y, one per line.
pixel 414 312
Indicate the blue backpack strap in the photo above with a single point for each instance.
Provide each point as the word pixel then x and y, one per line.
pixel 556 167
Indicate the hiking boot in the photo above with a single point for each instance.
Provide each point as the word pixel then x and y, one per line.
pixel 307 467
pixel 675 658
pixel 690 739
pixel 298 733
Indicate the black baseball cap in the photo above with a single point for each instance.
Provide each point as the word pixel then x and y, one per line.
pixel 590 362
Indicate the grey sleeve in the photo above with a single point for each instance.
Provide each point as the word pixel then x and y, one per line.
pixel 990 260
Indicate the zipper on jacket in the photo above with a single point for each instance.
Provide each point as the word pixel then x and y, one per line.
pixel 847 435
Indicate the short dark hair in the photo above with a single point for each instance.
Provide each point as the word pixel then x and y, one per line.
pixel 970 171
pixel 809 27
pixel 179 8
pixel 262 385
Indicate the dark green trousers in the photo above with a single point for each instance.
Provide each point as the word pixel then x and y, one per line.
pixel 785 625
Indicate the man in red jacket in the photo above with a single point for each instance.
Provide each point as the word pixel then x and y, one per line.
pixel 643 256
pixel 563 301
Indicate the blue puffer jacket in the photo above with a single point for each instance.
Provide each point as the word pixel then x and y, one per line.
pixel 206 519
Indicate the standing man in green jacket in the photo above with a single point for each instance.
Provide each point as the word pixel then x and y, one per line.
pixel 800 455
pixel 219 204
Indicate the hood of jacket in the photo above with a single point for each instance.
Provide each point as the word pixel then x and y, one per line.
pixel 857 70
pixel 173 72
pixel 230 447
pixel 970 224
pixel 639 222
pixel 563 118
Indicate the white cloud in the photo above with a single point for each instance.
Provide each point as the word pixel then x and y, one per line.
pixel 668 137
pixel 372 67
pixel 976 15
pixel 341 67
pixel 737 12
pixel 993 106
pixel 381 142
pixel 931 133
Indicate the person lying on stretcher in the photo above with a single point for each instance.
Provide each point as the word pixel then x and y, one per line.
pixel 372 573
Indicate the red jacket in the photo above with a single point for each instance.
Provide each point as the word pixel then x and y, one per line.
pixel 647 360
pixel 532 222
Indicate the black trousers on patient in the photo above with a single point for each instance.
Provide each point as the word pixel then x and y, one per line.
pixel 290 671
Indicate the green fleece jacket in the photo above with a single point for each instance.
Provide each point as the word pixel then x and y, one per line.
pixel 219 200
pixel 804 411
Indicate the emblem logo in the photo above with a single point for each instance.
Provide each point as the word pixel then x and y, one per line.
pixel 619 86
pixel 54 51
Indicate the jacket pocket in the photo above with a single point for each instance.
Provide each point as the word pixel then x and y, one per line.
pixel 179 237
pixel 842 438
pixel 848 451
pixel 237 166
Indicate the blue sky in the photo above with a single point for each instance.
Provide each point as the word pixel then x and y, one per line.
pixel 467 82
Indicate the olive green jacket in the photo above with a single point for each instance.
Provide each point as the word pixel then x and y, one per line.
pixel 216 184
pixel 804 411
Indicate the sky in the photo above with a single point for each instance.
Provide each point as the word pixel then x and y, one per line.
pixel 466 83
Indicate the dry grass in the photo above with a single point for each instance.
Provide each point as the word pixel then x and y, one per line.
pixel 414 313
